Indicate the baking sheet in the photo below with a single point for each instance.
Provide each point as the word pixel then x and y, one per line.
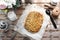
pixel 20 24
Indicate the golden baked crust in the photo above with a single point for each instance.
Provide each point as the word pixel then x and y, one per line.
pixel 33 22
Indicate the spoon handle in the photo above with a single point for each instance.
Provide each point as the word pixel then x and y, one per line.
pixel 54 24
pixel 51 18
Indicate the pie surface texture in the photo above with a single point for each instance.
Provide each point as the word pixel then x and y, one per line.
pixel 33 22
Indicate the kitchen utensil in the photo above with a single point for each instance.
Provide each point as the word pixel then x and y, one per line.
pixel 52 20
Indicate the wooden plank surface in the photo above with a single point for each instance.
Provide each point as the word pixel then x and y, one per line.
pixel 50 32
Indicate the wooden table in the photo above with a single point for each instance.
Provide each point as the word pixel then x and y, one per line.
pixel 50 32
